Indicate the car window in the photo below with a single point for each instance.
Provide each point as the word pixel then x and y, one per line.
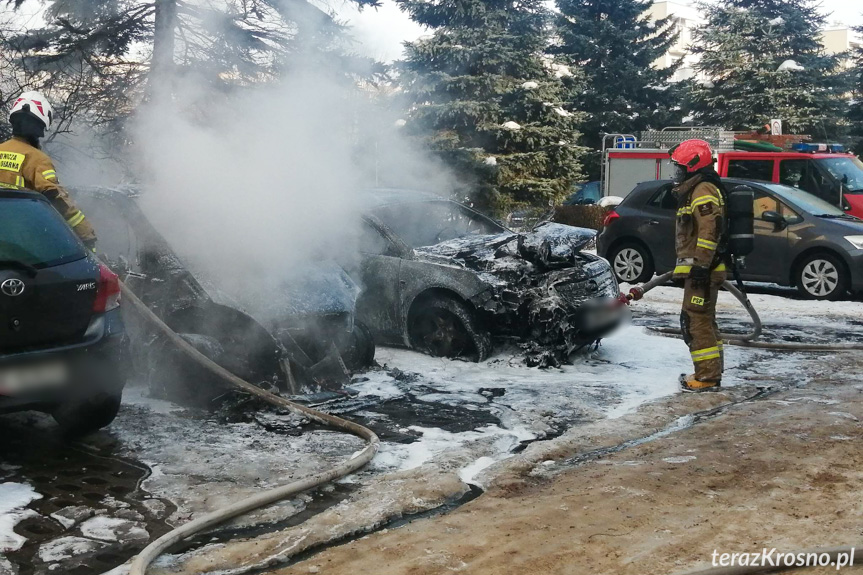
pixel 32 232
pixel 806 201
pixel 590 193
pixel 421 224
pixel 793 173
pixel 767 203
pixel 804 175
pixel 849 171
pixel 664 198
pixel 751 169
pixel 374 242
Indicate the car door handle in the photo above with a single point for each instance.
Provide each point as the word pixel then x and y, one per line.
pixel 653 222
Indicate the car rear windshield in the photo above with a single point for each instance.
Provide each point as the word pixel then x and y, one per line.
pixel 849 171
pixel 33 233
pixel 812 204
pixel 421 224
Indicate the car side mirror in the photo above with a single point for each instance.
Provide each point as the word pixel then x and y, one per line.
pixel 771 216
pixel 775 218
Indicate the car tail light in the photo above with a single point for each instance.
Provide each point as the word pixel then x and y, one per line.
pixel 108 292
pixel 610 217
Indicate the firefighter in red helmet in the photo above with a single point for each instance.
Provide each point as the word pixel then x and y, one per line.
pixel 700 228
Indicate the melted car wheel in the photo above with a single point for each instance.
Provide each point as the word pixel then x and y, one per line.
pixel 444 327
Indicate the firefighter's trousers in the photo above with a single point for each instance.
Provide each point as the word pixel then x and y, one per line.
pixel 700 331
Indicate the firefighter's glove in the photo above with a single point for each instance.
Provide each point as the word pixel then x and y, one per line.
pixel 700 277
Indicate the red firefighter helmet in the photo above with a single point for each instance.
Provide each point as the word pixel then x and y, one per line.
pixel 692 154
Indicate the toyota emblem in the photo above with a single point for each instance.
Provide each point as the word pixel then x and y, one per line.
pixel 12 287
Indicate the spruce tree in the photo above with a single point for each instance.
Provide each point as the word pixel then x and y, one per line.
pixel 101 58
pixel 855 115
pixel 764 59
pixel 615 45
pixel 483 97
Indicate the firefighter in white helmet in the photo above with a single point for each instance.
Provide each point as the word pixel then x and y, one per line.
pixel 24 166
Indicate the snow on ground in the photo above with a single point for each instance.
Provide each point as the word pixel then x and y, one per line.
pixel 14 499
pixel 503 403
pixel 775 305
pixel 458 416
pixel 435 441
pixel 631 367
pixel 113 529
pixel 201 463
pixel 66 548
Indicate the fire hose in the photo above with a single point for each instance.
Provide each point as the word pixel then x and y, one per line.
pixel 743 340
pixel 358 460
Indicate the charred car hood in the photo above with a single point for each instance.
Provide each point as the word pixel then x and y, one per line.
pixel 550 246
pixel 564 241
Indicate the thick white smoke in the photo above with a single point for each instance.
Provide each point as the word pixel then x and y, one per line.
pixel 260 181
pixel 250 185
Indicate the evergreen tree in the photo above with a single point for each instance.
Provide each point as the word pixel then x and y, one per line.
pixel 764 59
pixel 615 45
pixel 855 115
pixel 100 58
pixel 484 98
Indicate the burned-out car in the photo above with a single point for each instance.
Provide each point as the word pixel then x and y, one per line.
pixel 296 333
pixel 442 278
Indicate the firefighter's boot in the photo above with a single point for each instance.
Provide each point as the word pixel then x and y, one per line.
pixel 689 384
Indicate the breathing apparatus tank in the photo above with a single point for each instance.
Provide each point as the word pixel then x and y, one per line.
pixel 741 221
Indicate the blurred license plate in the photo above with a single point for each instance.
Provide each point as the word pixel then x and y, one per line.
pixel 602 313
pixel 32 377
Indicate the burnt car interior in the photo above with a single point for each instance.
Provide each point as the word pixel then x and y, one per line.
pixel 427 223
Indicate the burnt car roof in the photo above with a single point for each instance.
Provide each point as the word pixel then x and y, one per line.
pixel 377 197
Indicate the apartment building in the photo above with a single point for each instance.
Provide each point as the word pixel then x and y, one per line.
pixel 686 18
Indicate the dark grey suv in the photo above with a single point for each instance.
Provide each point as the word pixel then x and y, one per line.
pixel 800 240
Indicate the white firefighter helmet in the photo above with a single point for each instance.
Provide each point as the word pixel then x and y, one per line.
pixel 37 104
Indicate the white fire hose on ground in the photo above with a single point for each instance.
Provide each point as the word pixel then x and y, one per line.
pixel 160 545
pixel 157 547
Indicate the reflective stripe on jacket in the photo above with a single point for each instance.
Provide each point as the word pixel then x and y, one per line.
pixel 700 221
pixel 24 167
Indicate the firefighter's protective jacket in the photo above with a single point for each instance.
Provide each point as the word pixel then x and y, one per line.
pixel 24 167
pixel 700 223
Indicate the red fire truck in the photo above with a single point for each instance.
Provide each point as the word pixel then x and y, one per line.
pixel 825 170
